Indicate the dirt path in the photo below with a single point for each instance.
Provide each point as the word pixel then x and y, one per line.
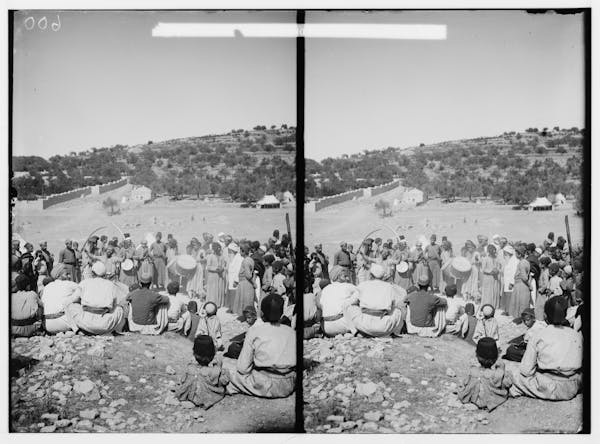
pixel 122 384
pixel 408 385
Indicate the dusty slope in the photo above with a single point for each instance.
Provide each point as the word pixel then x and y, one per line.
pixel 122 384
pixel 407 385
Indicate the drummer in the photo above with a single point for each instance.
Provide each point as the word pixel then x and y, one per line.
pixel 128 274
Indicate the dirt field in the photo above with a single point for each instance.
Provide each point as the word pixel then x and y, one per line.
pixel 351 221
pixel 409 384
pixel 184 219
pixel 123 384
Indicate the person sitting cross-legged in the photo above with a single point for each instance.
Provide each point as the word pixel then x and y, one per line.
pixel 266 366
pixel 426 312
pixel 149 310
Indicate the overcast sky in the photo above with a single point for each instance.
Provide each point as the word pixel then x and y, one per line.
pixel 102 80
pixel 497 71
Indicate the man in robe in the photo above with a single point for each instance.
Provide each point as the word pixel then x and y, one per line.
pixel 158 252
pixel 56 296
pixel 96 310
pixel 378 309
pixel 323 259
pixel 67 257
pixel 433 254
pixel 342 258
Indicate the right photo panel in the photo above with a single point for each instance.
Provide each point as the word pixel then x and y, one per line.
pixel 445 221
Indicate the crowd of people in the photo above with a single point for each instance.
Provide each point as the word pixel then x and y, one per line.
pixel 113 286
pixel 387 288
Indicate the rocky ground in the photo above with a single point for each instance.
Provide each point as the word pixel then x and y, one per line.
pixel 77 383
pixel 409 385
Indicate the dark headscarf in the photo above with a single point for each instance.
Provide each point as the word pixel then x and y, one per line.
pixel 555 310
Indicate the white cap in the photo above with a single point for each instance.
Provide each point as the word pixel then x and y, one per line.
pixel 509 249
pixel 263 248
pixel 221 234
pixel 377 271
pixel 233 247
pixel 98 268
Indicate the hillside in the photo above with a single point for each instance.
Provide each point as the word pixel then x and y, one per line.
pixel 242 165
pixel 514 167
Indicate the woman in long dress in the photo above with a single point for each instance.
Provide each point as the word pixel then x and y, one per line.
pixel 244 295
pixel 470 287
pixel 521 294
pixel 195 285
pixel 215 271
pixel 490 289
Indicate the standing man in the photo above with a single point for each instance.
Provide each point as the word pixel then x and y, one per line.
pixel 158 252
pixel 342 258
pixel 67 257
pixel 433 254
pixel 323 259
pixel 44 255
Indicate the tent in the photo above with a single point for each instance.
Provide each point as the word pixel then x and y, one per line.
pixel 268 201
pixel 540 204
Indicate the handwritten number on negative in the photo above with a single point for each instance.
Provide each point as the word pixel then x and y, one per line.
pixel 42 23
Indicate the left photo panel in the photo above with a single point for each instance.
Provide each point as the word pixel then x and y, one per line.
pixel 153 222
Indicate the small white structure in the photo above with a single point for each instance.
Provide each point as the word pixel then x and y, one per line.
pixel 141 194
pixel 559 199
pixel 540 204
pixel 413 196
pixel 268 201
pixel 287 198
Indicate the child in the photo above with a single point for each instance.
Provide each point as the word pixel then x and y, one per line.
pixel 205 385
pixel 486 386
pixel 465 326
pixel 555 280
pixel 487 326
pixel 179 318
pixel 517 346
pixel 192 308
pixel 456 307
pixel 210 325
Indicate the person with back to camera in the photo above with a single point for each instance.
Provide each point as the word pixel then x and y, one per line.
pixel 487 385
pixel 551 366
pixel 266 366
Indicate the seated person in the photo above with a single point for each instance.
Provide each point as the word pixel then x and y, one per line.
pixel 179 318
pixel 25 309
pixel 203 384
pixel 456 307
pixel 465 326
pixel 426 313
pixel 487 325
pixel 551 366
pixel 378 309
pixel 332 301
pixel 96 309
pixel 149 310
pixel 487 385
pixel 209 324
pixel 266 366
pixel 312 317
pixel 517 346
pixel 56 295
pixel 192 308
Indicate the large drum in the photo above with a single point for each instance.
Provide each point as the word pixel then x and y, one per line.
pixel 460 268
pixel 182 265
